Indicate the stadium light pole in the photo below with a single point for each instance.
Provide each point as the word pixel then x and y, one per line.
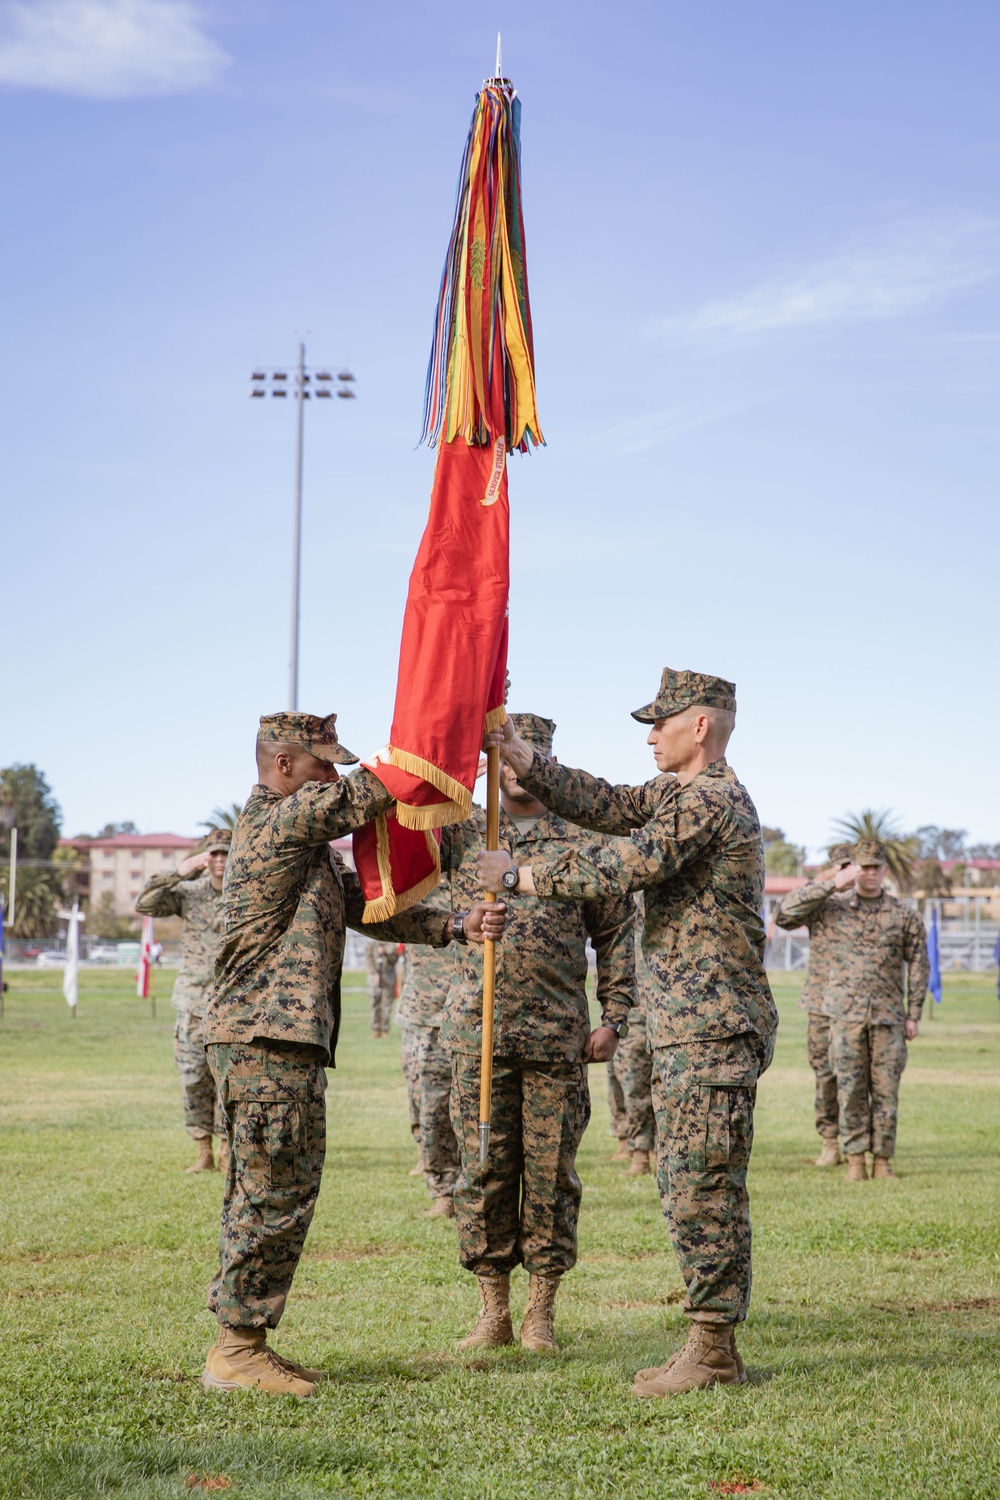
pixel 305 384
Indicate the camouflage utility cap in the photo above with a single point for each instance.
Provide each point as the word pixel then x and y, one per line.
pixel 869 852
pixel 681 690
pixel 218 841
pixel 318 736
pixel 534 730
pixel 840 854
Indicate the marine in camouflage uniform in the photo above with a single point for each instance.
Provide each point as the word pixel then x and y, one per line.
pixel 825 1109
pixel 523 1207
pixel 381 959
pixel 427 977
pixel 633 1067
pixel 872 942
pixel 692 843
pixel 272 1021
pixel 195 895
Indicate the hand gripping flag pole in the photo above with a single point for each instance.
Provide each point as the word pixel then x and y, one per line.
pixel 479 406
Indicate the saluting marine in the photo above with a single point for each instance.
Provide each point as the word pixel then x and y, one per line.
pixel 272 1022
pixel 818 1027
pixel 871 941
pixel 523 1206
pixel 692 842
pixel 194 892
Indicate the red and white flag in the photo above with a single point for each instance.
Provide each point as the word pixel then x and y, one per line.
pixel 145 970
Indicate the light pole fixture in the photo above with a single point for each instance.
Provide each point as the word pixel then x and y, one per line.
pixel 302 384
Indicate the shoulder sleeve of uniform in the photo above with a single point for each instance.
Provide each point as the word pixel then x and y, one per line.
pixel 592 802
pixel 319 812
pixel 918 964
pixel 162 896
pixel 421 924
pixel 798 906
pixel 683 826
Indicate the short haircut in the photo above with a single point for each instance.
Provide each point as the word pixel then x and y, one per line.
pixel 268 750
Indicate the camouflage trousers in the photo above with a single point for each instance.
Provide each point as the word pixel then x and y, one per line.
pixel 616 1104
pixel 381 993
pixel 272 1098
pixel 438 1147
pixel 704 1095
pixel 632 1065
pixel 523 1208
pixel 408 1060
pixel 202 1112
pixel 818 1050
pixel 869 1063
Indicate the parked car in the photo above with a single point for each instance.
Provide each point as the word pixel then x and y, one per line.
pixel 50 960
pixel 103 953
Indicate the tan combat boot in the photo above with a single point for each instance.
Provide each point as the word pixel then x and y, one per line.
pixel 493 1326
pixel 741 1372
pixel 538 1329
pixel 708 1358
pixel 642 1164
pixel 204 1162
pixel 241 1358
pixel 623 1153
pixel 882 1166
pixel 442 1208
pixel 857 1167
pixel 830 1155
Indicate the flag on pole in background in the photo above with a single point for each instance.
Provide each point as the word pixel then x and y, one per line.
pixel 479 405
pixel 72 969
pixel 3 915
pixel 142 978
pixel 934 955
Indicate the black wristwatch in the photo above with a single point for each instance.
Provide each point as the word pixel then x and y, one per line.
pixel 620 1028
pixel 509 878
pixel 458 928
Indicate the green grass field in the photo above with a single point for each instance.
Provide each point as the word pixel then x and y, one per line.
pixel 872 1343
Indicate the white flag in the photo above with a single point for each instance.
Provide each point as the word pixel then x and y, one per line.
pixel 72 956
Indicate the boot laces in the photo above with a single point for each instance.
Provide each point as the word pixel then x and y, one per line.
pixel 278 1364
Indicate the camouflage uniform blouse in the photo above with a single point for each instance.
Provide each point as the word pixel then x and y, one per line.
pixel 201 937
pixel 697 853
pixel 542 1013
pixel 868 944
pixel 427 972
pixel 287 901
pixel 787 916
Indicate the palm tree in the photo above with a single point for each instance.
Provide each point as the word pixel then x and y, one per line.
pixel 900 848
pixel 39 892
pixel 222 817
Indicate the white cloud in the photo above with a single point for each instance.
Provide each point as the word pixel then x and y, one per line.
pixel 106 49
pixel 913 265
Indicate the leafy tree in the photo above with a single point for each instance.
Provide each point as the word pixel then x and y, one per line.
pixel 782 858
pixel 929 878
pixel 111 829
pixel 772 835
pixel 222 817
pixel 901 850
pixel 939 843
pixel 104 921
pixel 984 851
pixel 27 804
pixel 39 893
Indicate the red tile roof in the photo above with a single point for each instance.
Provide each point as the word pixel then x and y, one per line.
pixel 132 841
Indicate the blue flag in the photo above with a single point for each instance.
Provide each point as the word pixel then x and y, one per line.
pixel 934 955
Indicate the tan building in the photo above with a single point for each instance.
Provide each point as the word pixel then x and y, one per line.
pixel 122 864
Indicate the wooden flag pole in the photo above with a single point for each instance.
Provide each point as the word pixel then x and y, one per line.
pixel 489 960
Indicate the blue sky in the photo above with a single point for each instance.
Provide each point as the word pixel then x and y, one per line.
pixel 763 256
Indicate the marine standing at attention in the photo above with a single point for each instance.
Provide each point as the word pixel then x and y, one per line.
pixel 523 1207
pixel 193 892
pixel 692 842
pixel 272 1021
pixel 818 1028
pixel 381 959
pixel 427 978
pixel 872 940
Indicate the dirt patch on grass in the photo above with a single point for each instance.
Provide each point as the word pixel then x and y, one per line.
pixel 962 1304
pixel 736 1486
pixel 667 1300
pixel 358 1252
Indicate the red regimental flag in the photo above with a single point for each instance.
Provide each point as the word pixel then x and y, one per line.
pixel 480 404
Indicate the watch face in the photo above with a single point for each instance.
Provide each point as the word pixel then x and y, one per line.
pixel 509 880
